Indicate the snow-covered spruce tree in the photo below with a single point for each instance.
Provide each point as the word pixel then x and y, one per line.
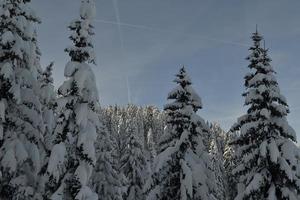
pixel 217 139
pixel 182 165
pixel 120 140
pixel 48 100
pixel 151 151
pixel 134 126
pixel 219 135
pixel 105 179
pixel 154 120
pixel 38 54
pixel 119 137
pixel 134 167
pixel 149 117
pixel 218 168
pixel 73 155
pixel 229 163
pixel 267 168
pixel 153 128
pixel 21 123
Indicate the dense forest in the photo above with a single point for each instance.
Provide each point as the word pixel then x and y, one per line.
pixel 60 144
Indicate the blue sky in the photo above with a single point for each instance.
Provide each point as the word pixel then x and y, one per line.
pixel 143 43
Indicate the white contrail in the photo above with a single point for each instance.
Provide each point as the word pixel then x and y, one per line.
pixel 119 24
pixel 142 27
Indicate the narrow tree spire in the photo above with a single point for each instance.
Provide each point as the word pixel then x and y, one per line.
pixel 256 28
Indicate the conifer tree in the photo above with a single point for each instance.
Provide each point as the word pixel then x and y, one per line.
pixel 182 164
pixel 48 100
pixel 219 135
pixel 21 124
pixel 268 161
pixel 134 167
pixel 151 148
pixel 121 140
pixel 73 154
pixel 218 169
pixel 230 161
pixel 105 180
pixel 216 139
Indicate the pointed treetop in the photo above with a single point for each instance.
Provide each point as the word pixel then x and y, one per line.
pixel 88 9
pixel 82 49
pixel 182 77
pixel 183 68
pixel 184 92
pixel 256 37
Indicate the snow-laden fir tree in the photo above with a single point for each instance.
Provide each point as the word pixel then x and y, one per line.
pixel 120 133
pixel 141 134
pixel 219 135
pixel 121 122
pixel 218 168
pixel 105 180
pixel 229 163
pixel 153 119
pixel 268 166
pixel 73 155
pixel 150 151
pixel 134 126
pixel 48 100
pixel 134 166
pixel 119 119
pixel 182 166
pixel 21 123
pixel 217 138
pixel 38 54
pixel 120 140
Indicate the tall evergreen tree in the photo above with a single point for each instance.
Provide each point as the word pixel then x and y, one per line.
pixel 219 135
pixel 151 151
pixel 134 167
pixel 21 124
pixel 121 140
pixel 48 100
pixel 217 139
pixel 182 165
pixel 153 128
pixel 106 181
pixel 229 163
pixel 267 168
pixel 73 155
pixel 218 168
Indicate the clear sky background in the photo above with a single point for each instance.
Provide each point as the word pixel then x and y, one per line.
pixel 140 45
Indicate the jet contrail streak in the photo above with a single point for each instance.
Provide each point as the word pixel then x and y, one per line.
pixel 119 24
